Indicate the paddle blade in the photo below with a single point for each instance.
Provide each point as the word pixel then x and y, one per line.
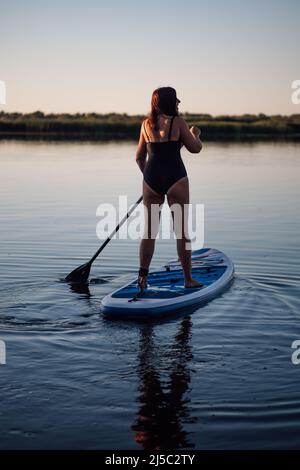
pixel 80 274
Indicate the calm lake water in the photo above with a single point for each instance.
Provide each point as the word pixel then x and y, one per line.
pixel 220 377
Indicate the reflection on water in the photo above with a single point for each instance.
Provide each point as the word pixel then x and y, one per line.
pixel 163 407
pixel 74 379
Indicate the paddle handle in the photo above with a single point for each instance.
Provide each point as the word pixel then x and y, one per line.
pixel 116 229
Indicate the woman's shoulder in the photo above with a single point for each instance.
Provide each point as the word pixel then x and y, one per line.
pixel 180 119
pixel 146 123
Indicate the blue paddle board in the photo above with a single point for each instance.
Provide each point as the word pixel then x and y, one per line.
pixel 166 293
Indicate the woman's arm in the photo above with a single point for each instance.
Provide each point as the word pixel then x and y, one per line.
pixel 190 137
pixel 141 151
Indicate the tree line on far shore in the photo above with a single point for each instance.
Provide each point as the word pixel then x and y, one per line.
pixel 124 126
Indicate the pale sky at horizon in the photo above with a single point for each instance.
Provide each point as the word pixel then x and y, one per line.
pixel 223 57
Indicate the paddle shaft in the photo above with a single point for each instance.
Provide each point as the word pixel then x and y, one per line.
pixel 115 230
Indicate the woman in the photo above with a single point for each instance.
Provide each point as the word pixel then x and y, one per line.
pixel 162 135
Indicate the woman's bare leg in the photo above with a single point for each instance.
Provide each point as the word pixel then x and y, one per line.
pixel 178 196
pixel 154 201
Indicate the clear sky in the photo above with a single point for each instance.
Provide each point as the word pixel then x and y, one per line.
pixel 222 56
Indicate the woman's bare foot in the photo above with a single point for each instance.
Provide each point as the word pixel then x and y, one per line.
pixel 193 283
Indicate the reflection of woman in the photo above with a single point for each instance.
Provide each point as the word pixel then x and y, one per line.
pixel 163 408
pixel 162 135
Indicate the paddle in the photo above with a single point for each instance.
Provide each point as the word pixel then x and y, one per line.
pixel 81 274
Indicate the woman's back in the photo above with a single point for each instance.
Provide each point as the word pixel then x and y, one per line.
pixel 168 129
pixel 164 166
pixel 171 129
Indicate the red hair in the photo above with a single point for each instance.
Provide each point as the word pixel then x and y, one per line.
pixel 164 101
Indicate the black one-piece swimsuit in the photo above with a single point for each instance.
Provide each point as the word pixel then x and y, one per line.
pixel 164 165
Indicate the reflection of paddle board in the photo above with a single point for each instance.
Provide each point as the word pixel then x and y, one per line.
pixel 166 292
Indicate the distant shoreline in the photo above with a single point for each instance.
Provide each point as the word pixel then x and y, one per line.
pixel 113 126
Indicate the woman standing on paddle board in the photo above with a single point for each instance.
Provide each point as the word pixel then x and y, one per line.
pixel 162 135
